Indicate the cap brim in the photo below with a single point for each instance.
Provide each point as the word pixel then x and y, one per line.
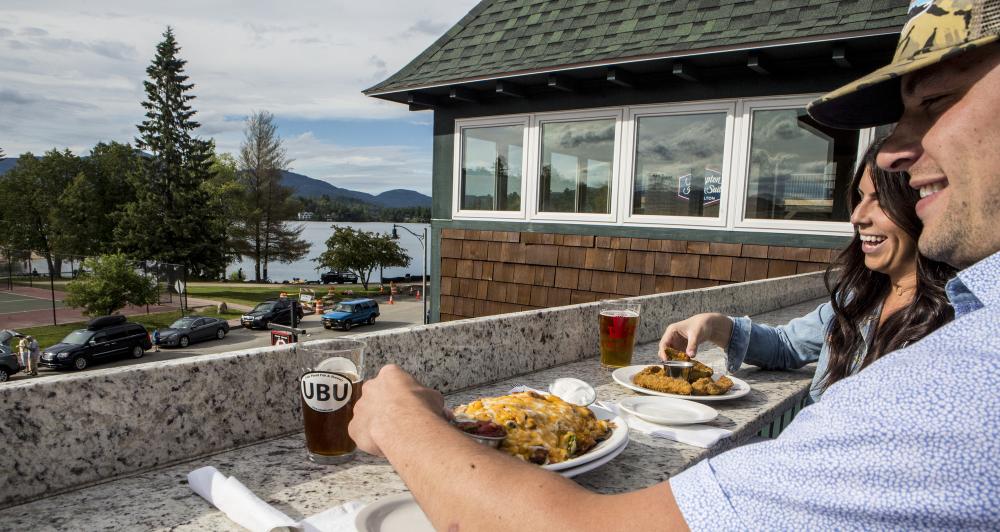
pixel 875 99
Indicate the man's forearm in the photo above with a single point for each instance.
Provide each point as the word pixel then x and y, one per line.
pixel 462 485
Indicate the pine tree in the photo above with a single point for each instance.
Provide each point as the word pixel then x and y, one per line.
pixel 172 219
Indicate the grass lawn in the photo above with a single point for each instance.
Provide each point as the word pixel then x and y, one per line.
pixel 48 335
pixel 251 295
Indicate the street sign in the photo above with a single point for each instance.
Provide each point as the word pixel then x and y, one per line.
pixel 179 287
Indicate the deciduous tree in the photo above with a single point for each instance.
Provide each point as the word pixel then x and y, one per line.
pixel 361 252
pixel 107 284
pixel 267 236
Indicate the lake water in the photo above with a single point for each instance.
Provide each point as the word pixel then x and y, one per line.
pixel 317 233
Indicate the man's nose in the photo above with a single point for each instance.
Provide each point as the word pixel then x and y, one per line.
pixel 901 150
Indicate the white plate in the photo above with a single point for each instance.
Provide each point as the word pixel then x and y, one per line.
pixel 668 411
pixel 624 376
pixel 619 434
pixel 592 465
pixel 399 513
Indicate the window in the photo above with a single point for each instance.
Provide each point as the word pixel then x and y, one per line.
pixel 797 168
pixel 748 164
pixel 678 165
pixel 491 168
pixel 576 166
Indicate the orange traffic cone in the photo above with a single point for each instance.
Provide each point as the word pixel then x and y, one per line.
pixel 319 306
pixel 418 295
pixel 391 302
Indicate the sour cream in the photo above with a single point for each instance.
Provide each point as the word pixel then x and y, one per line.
pixel 573 391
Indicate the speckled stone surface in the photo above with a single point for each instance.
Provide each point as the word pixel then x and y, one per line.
pixel 66 431
pixel 278 472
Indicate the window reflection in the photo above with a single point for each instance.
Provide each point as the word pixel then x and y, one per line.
pixel 799 169
pixel 491 168
pixel 576 166
pixel 678 165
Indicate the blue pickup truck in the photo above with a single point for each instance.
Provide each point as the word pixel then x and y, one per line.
pixel 350 313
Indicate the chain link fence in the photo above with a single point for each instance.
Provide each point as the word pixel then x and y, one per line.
pixel 32 293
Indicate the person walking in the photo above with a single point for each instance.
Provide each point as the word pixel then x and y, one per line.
pixel 156 340
pixel 34 355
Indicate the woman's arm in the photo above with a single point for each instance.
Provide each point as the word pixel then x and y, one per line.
pixel 789 346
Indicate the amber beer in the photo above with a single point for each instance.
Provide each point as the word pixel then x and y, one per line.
pixel 327 409
pixel 618 324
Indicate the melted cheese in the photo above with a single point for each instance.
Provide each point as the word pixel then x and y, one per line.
pixel 539 424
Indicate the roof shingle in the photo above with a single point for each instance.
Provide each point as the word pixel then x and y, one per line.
pixel 500 36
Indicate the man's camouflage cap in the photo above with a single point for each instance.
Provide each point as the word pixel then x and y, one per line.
pixel 936 30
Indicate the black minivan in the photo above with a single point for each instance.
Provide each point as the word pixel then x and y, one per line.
pixel 104 338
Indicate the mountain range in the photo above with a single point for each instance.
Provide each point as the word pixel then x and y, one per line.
pixel 306 186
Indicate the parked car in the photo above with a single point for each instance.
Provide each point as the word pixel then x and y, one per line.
pixel 273 311
pixel 9 362
pixel 191 329
pixel 350 313
pixel 338 277
pixel 104 338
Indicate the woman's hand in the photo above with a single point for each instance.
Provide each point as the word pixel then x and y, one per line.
pixel 686 335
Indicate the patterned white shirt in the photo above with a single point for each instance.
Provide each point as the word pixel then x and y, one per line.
pixel 911 443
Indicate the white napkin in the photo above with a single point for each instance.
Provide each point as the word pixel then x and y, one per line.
pixel 703 436
pixel 249 511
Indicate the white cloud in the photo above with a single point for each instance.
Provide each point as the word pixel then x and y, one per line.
pixel 73 71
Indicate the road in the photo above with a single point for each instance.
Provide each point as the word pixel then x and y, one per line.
pixel 402 314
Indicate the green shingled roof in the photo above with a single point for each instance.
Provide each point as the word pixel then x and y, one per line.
pixel 504 36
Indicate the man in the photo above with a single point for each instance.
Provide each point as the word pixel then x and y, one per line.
pixel 909 443
pixel 34 356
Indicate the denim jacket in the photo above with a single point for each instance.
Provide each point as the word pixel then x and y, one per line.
pixel 800 342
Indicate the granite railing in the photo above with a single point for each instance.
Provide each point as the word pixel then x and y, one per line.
pixel 64 432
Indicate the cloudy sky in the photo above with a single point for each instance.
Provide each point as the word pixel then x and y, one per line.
pixel 72 75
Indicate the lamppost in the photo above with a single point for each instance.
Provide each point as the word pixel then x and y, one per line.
pixel 423 245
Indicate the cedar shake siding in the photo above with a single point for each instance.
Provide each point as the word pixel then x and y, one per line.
pixel 493 272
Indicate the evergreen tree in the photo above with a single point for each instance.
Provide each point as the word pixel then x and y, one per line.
pixel 266 236
pixel 172 219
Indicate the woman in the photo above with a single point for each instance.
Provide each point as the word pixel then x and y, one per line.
pixel 883 295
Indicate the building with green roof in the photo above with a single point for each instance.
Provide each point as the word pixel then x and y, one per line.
pixel 586 150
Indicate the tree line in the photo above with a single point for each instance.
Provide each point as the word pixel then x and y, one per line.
pixel 168 197
pixel 342 210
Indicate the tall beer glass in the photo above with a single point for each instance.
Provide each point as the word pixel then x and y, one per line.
pixel 618 322
pixel 329 392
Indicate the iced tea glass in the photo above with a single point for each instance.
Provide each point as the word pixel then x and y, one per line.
pixel 618 323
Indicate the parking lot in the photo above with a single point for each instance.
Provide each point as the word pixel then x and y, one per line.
pixel 402 314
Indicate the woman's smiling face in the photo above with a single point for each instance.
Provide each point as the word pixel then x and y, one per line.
pixel 887 247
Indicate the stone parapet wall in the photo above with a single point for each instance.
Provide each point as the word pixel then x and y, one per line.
pixel 70 430
pixel 492 272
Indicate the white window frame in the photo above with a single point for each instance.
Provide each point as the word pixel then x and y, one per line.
pixel 629 145
pixel 735 167
pixel 495 121
pixel 614 182
pixel 741 166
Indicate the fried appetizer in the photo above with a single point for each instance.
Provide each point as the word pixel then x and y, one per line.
pixel 654 378
pixel 699 371
pixel 542 429
pixel 706 386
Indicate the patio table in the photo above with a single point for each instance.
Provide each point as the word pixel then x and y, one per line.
pixel 278 472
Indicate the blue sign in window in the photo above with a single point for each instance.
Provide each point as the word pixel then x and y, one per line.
pixel 712 187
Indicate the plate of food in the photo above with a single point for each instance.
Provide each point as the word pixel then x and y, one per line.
pixel 694 381
pixel 545 430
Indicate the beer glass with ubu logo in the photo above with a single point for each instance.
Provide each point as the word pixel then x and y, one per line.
pixel 329 392
pixel 618 322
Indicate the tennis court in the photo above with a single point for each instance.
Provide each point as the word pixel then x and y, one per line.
pixel 13 302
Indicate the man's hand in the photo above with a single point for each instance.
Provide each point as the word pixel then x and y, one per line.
pixel 686 335
pixel 391 394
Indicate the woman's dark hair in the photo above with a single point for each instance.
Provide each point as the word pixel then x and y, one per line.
pixel 856 292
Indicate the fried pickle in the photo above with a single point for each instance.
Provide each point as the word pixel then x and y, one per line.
pixel 654 378
pixel 706 386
